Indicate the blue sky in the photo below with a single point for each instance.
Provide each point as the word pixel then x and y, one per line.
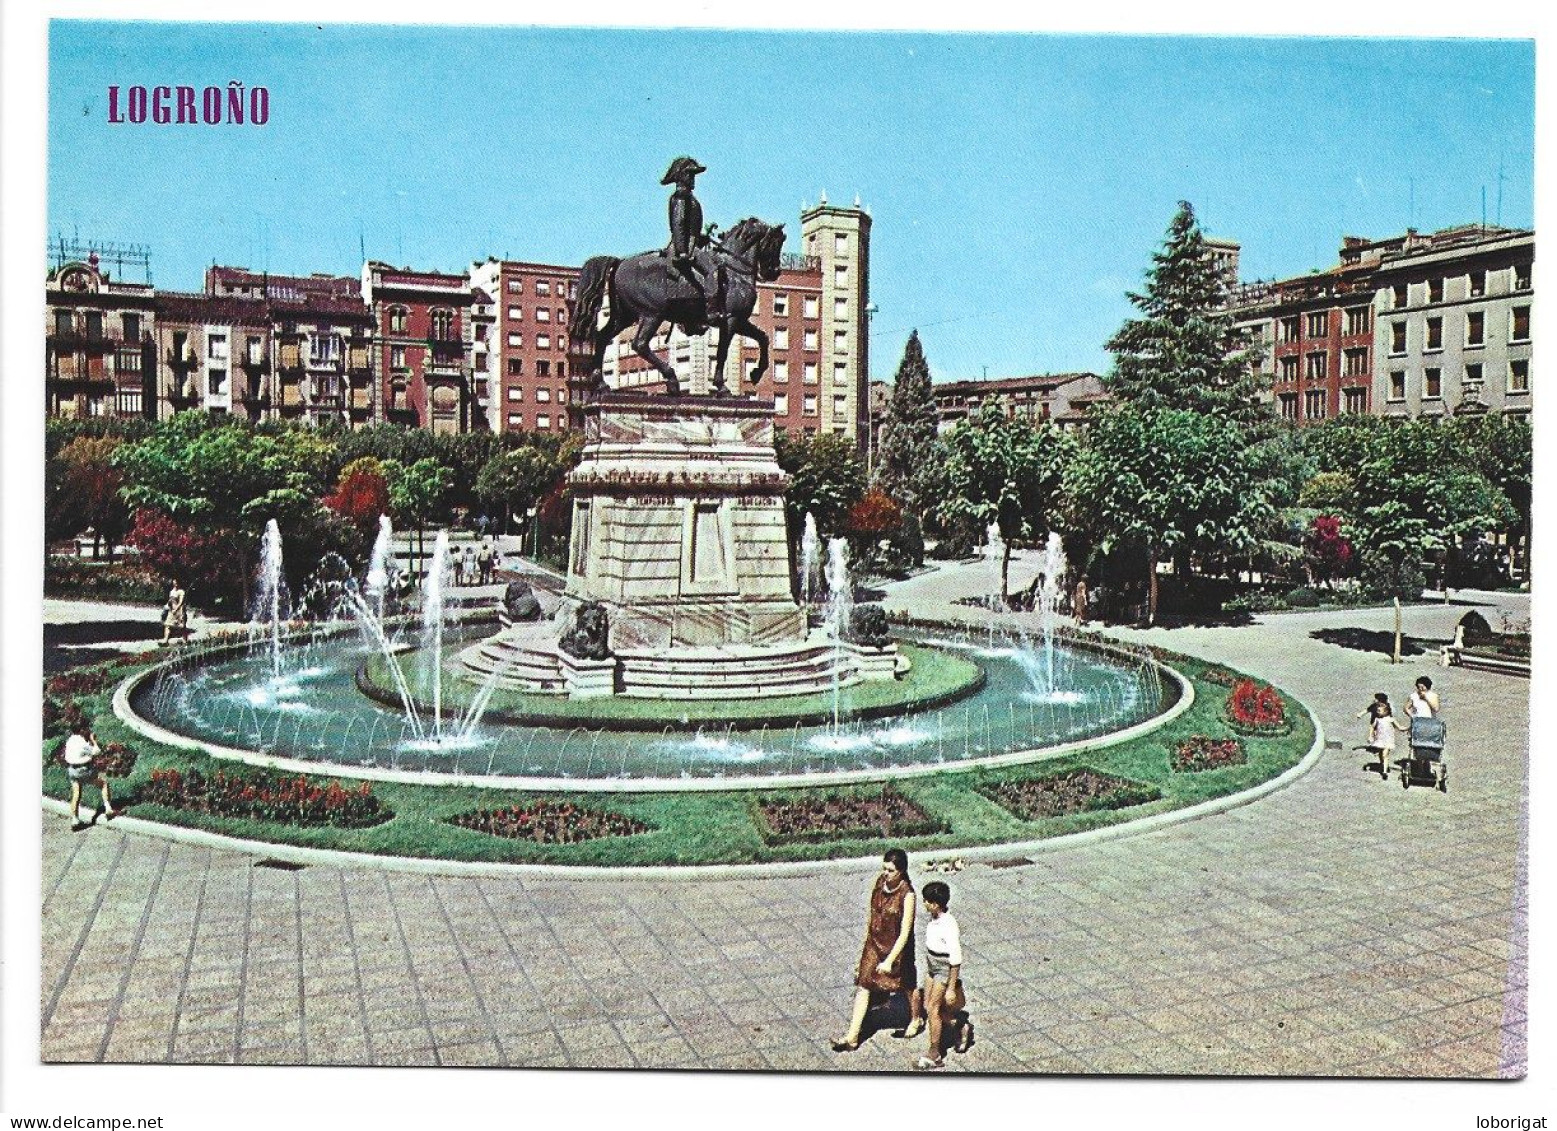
pixel 1018 183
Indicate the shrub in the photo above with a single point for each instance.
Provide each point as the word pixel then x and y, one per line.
pixel 266 797
pixel 550 822
pixel 68 576
pixel 1477 629
pixel 1304 597
pixel 1256 707
pixel 1201 752
pixel 61 717
pixel 1075 791
pixel 79 681
pixel 868 626
pixel 837 816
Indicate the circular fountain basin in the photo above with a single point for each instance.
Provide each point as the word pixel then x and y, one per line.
pixel 311 717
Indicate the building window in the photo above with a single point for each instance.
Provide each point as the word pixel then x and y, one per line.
pixel 1356 401
pixel 1435 333
pixel 543 368
pixel 808 406
pixel 516 340
pixel 1519 375
pixel 840 406
pixel 256 350
pixel 840 308
pixel 1401 296
pixel 443 325
pixel 129 402
pixel 94 327
pixel 1356 363
pixel 1318 324
pixel 216 382
pixel 1520 317
pixel 812 307
pixel 132 327
pixel 516 393
pixel 781 372
pixel 809 376
pixel 840 341
pixel 543 396
pixel 543 286
pixel 64 323
pixel 780 306
pixel 542 314
pixel 516 314
pixel 781 338
pixel 216 347
pixel 1397 385
pixel 1475 328
pixel 323 349
pixel 1476 284
pixel 1314 404
pixel 1522 276
pixel 1435 290
pixel 781 404
pixel 841 243
pixel 516 367
pixel 1289 369
pixel 1472 375
pixel 1315 366
pixel 1291 328
pixel 397 319
pixel 397 357
pixel 841 373
pixel 1432 384
pixel 1397 338
pixel 128 361
pixel 562 369
pixel 515 420
pixel 516 286
pixel 562 396
pixel 812 340
pixel 543 341
pixel 840 277
pixel 1359 320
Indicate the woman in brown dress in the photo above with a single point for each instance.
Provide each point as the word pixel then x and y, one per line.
pixel 887 961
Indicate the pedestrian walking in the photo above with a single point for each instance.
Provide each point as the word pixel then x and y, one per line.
pixel 946 999
pixel 1382 727
pixel 1423 703
pixel 175 615
pixel 887 959
pixel 484 560
pixel 81 767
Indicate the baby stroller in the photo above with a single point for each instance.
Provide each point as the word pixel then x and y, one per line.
pixel 1426 765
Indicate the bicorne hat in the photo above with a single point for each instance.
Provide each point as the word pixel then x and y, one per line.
pixel 679 167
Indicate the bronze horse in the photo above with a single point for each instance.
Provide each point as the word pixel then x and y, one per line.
pixel 647 289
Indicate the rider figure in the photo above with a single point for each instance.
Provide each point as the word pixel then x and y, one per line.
pixel 686 231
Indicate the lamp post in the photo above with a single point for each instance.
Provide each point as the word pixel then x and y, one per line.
pixel 870 416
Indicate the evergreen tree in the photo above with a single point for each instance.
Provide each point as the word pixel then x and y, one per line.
pixel 1185 352
pixel 907 438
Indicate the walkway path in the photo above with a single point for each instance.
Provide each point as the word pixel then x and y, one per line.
pixel 1342 926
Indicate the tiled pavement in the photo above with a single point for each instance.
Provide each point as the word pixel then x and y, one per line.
pixel 1341 926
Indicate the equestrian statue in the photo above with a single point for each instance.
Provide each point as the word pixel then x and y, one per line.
pixel 700 281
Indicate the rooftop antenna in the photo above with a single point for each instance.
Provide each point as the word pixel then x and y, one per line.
pixel 1411 208
pixel 1484 208
pixel 1500 191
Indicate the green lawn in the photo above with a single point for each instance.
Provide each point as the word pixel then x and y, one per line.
pixel 717 827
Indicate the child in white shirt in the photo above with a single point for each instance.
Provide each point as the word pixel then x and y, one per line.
pixel 945 999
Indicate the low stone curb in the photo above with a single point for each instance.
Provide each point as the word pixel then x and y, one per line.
pixel 1010 851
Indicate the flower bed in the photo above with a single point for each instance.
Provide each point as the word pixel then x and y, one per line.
pixel 1202 752
pixel 266 797
pixel 80 681
pixel 884 813
pixel 550 822
pixel 1075 791
pixel 1256 709
pixel 1219 676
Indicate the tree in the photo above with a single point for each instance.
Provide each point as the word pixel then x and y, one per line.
pixel 1003 470
pixel 826 478
pixel 83 492
pixel 416 496
pixel 1331 492
pixel 1326 551
pixel 513 482
pixel 872 518
pixel 1185 352
pixel 1172 482
pixel 362 494
pixel 907 439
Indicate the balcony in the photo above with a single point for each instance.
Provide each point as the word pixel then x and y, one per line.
pixel 446 348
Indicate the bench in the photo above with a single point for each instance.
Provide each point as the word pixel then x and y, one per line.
pixel 1485 661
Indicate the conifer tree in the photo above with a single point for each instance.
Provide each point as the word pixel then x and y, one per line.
pixel 907 439
pixel 1185 352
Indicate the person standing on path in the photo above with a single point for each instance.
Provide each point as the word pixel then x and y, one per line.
pixel 484 560
pixel 944 993
pixel 175 615
pixel 1423 703
pixel 887 960
pixel 81 754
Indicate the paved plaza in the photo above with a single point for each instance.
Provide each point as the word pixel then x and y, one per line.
pixel 1339 926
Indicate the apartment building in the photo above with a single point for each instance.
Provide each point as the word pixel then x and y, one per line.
pixel 1060 397
pixel 99 343
pixel 421 344
pixel 532 304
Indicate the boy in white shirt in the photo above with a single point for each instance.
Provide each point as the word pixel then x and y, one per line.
pixel 945 1001
pixel 81 753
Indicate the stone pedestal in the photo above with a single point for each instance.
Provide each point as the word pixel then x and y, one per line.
pixel 678 524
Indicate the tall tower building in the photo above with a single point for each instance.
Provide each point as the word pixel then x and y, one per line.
pixel 839 239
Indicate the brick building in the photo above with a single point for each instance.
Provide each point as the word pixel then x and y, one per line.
pixel 528 355
pixel 99 343
pixel 422 344
pixel 1058 397
pixel 1414 325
